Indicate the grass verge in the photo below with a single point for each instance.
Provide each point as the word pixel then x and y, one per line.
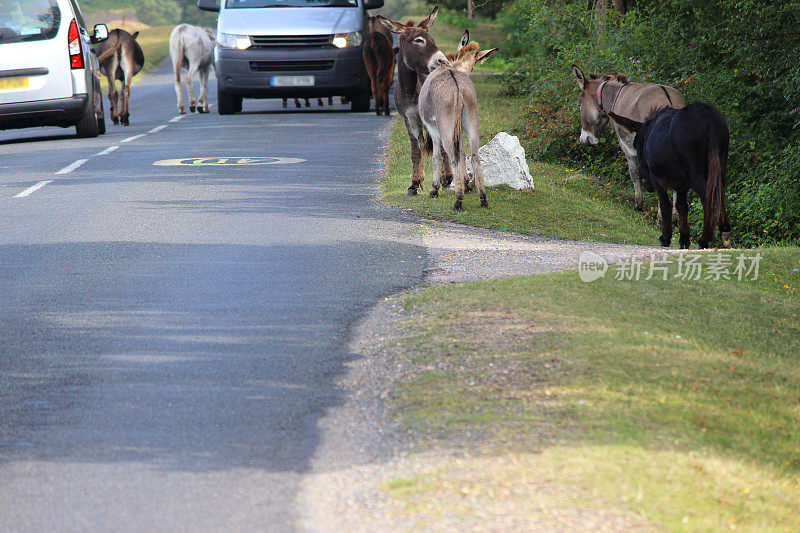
pixel 565 203
pixel 676 402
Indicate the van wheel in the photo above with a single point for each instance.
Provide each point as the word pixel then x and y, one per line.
pixel 359 102
pixel 88 125
pixel 227 104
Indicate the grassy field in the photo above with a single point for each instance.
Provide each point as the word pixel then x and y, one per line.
pixel 565 203
pixel 677 402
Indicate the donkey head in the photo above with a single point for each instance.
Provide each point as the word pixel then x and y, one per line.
pixel 468 54
pixel 418 51
pixel 593 119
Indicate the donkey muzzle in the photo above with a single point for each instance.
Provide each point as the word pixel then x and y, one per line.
pixel 588 138
pixel 438 60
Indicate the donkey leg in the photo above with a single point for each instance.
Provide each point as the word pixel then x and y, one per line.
pixel 319 102
pixel 665 203
pixel 708 223
pixel 297 103
pixel 284 103
pixel 437 166
pixel 415 137
pixel 469 120
pixel 126 98
pixel 189 81
pixel 113 101
pixel 202 102
pixel 179 92
pixel 330 100
pixel 633 169
pixel 682 206
pixel 724 225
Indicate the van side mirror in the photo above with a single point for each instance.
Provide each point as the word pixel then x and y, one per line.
pixel 100 33
pixel 208 5
pixel 373 4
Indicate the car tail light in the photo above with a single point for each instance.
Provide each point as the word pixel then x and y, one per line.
pixel 75 51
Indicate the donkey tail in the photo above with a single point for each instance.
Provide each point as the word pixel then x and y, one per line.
pixel 715 183
pixel 178 61
pixel 110 52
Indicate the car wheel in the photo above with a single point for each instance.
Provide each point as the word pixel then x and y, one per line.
pixel 88 125
pixel 359 102
pixel 228 104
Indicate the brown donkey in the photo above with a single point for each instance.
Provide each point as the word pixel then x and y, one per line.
pixel 418 56
pixel 449 107
pixel 604 94
pixel 379 59
pixel 120 58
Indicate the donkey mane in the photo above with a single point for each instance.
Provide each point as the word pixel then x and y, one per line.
pixel 622 78
pixel 468 48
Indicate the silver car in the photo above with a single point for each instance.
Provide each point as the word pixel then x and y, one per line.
pixel 48 72
pixel 290 48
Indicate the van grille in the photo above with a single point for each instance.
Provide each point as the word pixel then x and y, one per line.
pixel 292 41
pixel 289 66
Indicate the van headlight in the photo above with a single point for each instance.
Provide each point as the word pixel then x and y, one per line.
pixel 343 40
pixel 231 40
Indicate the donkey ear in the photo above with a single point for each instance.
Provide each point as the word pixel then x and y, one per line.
pixel 428 21
pixel 628 124
pixel 464 40
pixel 579 77
pixel 392 26
pixel 483 55
pixel 134 35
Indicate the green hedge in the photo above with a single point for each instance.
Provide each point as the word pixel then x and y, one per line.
pixel 738 55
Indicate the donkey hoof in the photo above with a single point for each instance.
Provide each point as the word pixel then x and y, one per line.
pixel 412 191
pixel 192 108
pixel 664 242
pixel 685 243
pixel 484 202
pixel 457 206
pixel 201 110
pixel 702 245
pixel 434 193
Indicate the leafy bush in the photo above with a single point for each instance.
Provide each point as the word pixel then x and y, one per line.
pixel 733 54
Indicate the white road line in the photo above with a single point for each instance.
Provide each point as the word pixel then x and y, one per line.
pixel 73 166
pixel 107 150
pixel 176 119
pixel 32 189
pixel 157 128
pixel 129 139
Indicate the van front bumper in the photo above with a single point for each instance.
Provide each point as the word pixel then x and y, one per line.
pixel 58 112
pixel 248 73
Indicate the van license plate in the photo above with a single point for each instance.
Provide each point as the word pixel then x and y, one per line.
pixel 292 81
pixel 14 83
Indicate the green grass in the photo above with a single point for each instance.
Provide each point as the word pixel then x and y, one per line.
pixel 677 401
pixel 565 203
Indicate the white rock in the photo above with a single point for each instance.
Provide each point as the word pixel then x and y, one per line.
pixel 503 163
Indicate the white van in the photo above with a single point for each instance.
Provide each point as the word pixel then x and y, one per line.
pixel 49 75
pixel 290 48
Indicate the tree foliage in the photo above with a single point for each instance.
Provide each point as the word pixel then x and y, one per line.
pixel 738 55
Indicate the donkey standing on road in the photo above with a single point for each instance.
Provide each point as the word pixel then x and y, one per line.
pixel 448 106
pixel 604 94
pixel 379 60
pixel 418 56
pixel 192 48
pixel 120 58
pixel 682 148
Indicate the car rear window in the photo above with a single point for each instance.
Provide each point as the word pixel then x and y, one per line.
pixel 28 20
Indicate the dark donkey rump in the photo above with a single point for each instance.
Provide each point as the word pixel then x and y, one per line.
pixel 680 149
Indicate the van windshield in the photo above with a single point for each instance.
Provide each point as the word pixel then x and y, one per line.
pixel 28 20
pixel 250 4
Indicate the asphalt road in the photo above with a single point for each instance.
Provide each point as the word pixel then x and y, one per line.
pixel 171 335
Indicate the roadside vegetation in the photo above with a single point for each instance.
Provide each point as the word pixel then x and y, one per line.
pixel 675 402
